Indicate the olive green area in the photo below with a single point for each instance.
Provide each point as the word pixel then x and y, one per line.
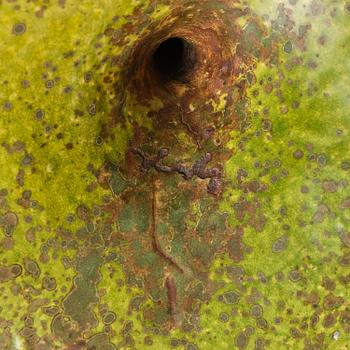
pixel 288 179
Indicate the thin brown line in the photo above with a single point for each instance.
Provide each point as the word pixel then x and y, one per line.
pixel 156 244
pixel 172 298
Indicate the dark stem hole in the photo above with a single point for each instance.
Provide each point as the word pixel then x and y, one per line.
pixel 174 59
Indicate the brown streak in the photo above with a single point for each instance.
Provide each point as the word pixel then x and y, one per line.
pixel 156 244
pixel 172 297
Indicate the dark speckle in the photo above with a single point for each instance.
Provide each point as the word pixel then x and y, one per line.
pixel 67 89
pixel 148 341
pixel 25 84
pixel 32 267
pixel 223 317
pixel 19 29
pixel 191 346
pixel 39 114
pixel 68 54
pixel 87 76
pixel 7 106
pixel 49 283
pixel 109 317
pixel 99 141
pixel 92 109
pixel 27 160
pixel 322 159
pixel 49 84
pixel 288 47
pixel 345 165
pixel 241 341
pixel 298 154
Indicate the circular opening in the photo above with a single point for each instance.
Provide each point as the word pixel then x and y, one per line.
pixel 174 59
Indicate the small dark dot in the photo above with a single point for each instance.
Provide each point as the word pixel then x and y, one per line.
pixel 67 89
pixel 19 29
pixel 25 84
pixel 298 154
pixel 223 317
pixel 99 141
pixel 92 109
pixel 28 219
pixel 174 343
pixel 345 165
pixel 295 104
pixel 288 47
pixel 148 340
pixel 49 84
pixel 3 192
pixel 39 114
pixel 70 218
pixel 322 159
pixel 34 204
pixel 7 106
pixel 87 76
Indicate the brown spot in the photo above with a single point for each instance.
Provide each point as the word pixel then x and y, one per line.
pixel 313 298
pixel 9 272
pixel 10 218
pixel 32 267
pixel 329 320
pixel 19 29
pixel 7 243
pixel 241 341
pixel 295 333
pixel 345 320
pixel 345 204
pixel 331 301
pixel 30 235
pixel 235 245
pixel 345 238
pixel 328 283
pixel 298 154
pixel 320 214
pixel 329 186
pixel 49 283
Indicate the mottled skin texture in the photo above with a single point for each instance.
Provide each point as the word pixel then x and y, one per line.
pixel 169 182
pixel 211 211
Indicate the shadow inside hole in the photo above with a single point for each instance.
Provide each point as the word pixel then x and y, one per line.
pixel 174 59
